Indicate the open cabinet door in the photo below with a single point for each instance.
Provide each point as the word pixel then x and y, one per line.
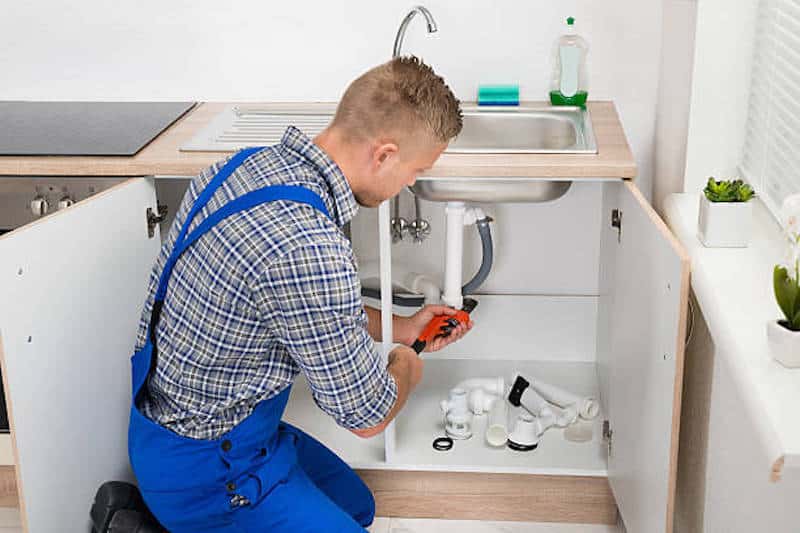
pixel 71 291
pixel 644 296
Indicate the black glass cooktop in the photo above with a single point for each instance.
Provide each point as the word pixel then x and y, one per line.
pixel 84 128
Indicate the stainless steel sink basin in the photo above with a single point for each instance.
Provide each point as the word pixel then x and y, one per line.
pixel 515 130
pixel 525 130
pixel 489 190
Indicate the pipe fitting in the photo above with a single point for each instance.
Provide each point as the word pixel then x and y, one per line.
pixel 422 284
pixel 495 386
pixel 457 416
pixel 587 407
pixel 496 426
pixel 480 401
pixel 525 435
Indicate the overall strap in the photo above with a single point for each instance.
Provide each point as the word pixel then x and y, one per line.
pixel 208 191
pixel 292 193
pixel 202 200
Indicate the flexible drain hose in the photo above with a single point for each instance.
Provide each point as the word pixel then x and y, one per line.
pixel 488 257
pixel 402 301
pixel 471 286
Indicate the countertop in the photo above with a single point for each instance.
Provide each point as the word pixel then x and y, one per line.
pixel 737 314
pixel 162 156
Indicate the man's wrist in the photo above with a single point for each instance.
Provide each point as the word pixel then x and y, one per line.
pixel 401 328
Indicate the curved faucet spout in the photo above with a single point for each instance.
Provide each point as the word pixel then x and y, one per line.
pixel 401 31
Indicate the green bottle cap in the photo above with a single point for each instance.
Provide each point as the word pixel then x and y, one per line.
pixel 570 20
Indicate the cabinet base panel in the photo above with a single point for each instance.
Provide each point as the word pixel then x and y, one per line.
pixel 478 496
pixel 8 487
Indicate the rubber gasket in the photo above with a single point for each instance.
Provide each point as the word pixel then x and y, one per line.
pixel 522 447
pixel 442 444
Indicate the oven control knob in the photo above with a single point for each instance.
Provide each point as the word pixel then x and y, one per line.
pixel 65 202
pixel 39 206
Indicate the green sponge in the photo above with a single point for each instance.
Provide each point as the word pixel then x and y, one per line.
pixel 498 95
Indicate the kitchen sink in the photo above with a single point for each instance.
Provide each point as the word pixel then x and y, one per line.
pixel 496 130
pixel 525 130
pixel 490 190
pixel 487 130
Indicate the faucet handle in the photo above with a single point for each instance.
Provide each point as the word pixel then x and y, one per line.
pixel 419 229
pixel 399 227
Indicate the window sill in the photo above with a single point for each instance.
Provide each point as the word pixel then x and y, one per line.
pixel 733 287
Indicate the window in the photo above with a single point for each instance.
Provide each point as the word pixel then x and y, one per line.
pixel 771 154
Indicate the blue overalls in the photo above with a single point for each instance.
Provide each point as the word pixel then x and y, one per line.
pixel 263 475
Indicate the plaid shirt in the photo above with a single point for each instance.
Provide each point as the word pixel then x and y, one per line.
pixel 264 295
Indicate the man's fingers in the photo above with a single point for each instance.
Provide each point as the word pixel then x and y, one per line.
pixel 441 310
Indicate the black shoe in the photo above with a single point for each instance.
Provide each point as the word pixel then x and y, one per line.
pixel 127 521
pixel 119 498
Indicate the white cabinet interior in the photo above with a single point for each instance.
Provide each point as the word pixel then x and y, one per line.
pixel 621 340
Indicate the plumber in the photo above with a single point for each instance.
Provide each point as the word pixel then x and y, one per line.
pixel 257 283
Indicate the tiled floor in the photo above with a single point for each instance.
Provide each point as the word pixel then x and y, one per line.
pixel 419 525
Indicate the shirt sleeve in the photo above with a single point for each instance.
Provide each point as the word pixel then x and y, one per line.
pixel 313 297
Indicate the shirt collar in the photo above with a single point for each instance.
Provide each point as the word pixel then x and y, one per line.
pixel 345 205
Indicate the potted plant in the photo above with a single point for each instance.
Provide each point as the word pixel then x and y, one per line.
pixel 725 214
pixel 783 335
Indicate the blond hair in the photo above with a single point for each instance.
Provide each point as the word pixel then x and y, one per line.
pixel 401 96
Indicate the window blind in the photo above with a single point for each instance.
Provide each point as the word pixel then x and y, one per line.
pixel 771 152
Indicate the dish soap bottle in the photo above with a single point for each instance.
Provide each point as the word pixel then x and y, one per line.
pixel 569 86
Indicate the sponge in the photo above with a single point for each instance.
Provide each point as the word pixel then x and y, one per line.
pixel 498 95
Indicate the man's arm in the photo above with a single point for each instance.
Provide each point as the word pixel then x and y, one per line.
pixel 311 300
pixel 406 368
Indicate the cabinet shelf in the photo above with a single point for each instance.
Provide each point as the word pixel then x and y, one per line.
pixel 421 421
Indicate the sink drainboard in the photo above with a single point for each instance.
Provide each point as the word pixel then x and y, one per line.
pixel 241 126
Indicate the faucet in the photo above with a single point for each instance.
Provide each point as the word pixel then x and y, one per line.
pixel 401 31
pixel 419 228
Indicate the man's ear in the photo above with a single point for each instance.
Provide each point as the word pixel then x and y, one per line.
pixel 383 152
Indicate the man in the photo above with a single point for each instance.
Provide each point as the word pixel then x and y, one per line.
pixel 256 283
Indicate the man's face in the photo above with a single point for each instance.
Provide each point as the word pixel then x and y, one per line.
pixel 390 168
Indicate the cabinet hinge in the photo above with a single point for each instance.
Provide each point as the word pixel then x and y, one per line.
pixel 154 219
pixel 608 433
pixel 616 222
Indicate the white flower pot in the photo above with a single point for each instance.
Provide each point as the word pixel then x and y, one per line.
pixel 784 344
pixel 724 224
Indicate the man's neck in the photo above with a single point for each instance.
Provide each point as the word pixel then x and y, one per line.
pixel 334 146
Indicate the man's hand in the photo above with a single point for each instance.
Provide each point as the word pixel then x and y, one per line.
pixel 408 329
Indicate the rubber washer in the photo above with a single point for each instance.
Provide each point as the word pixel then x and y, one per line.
pixel 522 447
pixel 442 444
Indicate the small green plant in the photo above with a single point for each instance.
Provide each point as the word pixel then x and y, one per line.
pixel 787 292
pixel 786 277
pixel 728 191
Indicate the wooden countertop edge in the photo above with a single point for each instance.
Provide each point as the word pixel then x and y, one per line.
pixel 163 157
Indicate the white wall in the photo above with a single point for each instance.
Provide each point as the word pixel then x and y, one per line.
pixel 268 50
pixel 256 51
pixel 674 93
pixel 720 88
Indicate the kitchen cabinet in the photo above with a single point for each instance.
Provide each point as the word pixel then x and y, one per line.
pixel 72 285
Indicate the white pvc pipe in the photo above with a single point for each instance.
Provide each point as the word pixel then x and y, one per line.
pixel 496 426
pixel 480 401
pixel 457 416
pixel 385 249
pixel 588 408
pixel 454 253
pixel 422 284
pixel 546 416
pixel 491 385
